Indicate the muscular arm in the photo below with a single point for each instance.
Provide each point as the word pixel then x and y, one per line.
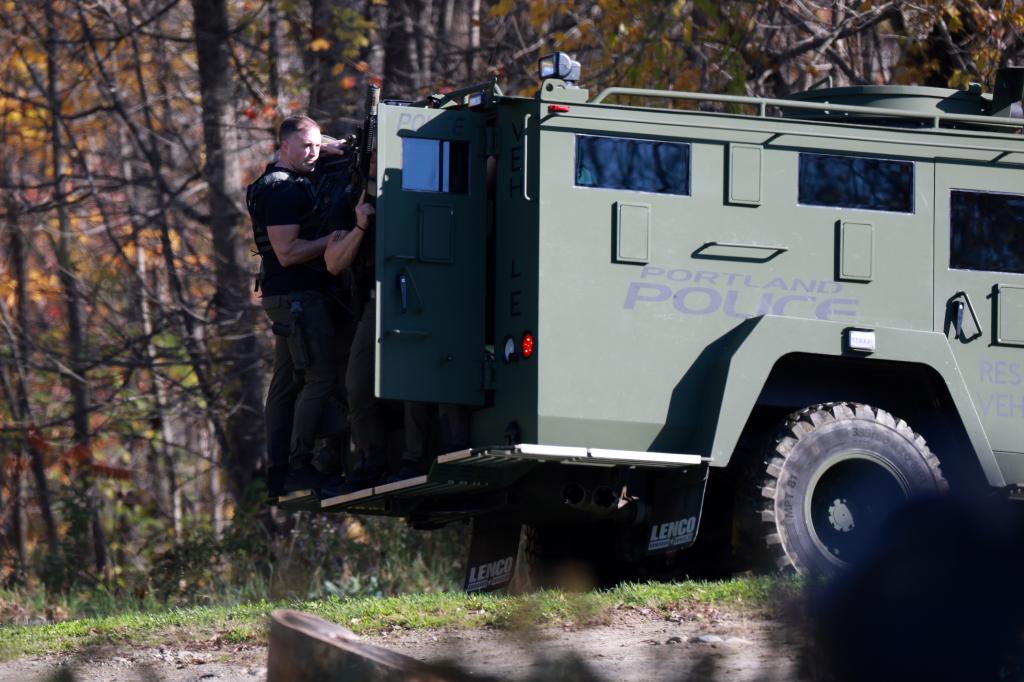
pixel 341 250
pixel 289 249
pixel 343 246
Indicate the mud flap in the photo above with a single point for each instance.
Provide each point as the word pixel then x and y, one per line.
pixel 492 553
pixel 676 500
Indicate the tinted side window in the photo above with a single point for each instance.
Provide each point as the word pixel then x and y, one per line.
pixel 856 182
pixel 638 165
pixel 986 231
pixel 435 165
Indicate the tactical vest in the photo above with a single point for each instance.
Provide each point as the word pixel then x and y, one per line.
pixel 271 178
pixel 310 225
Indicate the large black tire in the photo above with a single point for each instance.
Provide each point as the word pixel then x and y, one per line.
pixel 831 477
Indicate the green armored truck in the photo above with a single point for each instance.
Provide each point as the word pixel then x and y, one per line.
pixel 764 322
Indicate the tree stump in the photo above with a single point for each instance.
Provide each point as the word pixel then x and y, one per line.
pixel 307 648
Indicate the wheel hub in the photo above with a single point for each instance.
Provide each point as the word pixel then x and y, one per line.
pixel 849 500
pixel 840 516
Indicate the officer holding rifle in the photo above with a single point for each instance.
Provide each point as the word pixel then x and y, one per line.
pixel 313 329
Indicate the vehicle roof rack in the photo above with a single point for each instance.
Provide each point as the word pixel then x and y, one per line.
pixel 763 103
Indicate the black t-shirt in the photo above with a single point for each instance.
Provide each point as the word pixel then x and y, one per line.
pixel 288 202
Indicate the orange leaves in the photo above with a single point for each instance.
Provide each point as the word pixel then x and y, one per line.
pixel 75 459
pixel 36 441
pixel 267 111
pixel 319 45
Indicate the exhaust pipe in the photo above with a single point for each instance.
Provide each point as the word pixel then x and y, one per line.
pixel 605 498
pixel 574 495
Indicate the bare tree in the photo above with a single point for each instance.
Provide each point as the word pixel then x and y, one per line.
pixel 242 384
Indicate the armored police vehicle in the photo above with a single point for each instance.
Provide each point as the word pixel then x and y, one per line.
pixel 768 322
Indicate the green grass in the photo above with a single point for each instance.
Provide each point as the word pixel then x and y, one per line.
pixel 248 622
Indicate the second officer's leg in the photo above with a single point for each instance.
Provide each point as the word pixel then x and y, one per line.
pixel 366 413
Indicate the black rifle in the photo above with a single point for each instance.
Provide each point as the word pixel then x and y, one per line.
pixel 366 146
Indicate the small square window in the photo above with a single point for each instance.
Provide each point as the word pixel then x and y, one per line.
pixel 986 231
pixel 435 165
pixel 637 165
pixel 858 182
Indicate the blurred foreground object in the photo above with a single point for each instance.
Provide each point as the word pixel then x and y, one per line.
pixel 938 598
pixel 306 648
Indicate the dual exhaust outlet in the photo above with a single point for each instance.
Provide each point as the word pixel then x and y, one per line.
pixel 602 498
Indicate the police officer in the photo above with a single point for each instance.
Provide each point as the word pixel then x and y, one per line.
pixel 354 252
pixel 312 334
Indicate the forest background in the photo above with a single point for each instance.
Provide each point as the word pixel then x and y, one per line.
pixel 133 354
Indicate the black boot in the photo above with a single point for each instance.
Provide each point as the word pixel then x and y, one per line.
pixel 275 483
pixel 365 475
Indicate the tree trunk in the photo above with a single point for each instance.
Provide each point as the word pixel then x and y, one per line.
pixel 474 39
pixel 235 316
pixel 273 50
pixel 21 408
pixel 12 507
pixel 425 41
pixel 77 380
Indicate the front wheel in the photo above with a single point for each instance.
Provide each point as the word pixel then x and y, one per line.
pixel 832 476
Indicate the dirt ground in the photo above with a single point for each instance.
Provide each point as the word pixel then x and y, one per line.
pixel 633 644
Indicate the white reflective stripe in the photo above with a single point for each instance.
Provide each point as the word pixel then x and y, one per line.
pixel 574 455
pixel 650 457
pixel 551 450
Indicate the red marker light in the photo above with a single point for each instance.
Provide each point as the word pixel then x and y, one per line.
pixel 526 347
pixel 558 109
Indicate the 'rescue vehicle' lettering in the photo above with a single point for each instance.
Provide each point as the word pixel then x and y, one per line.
pixel 672 534
pixel 491 574
pixel 1000 404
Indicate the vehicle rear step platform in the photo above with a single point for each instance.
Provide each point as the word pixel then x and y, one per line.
pixel 490 469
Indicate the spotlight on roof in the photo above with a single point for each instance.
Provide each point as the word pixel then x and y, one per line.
pixel 559 65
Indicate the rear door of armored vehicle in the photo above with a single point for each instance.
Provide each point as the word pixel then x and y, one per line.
pixel 979 294
pixel 431 235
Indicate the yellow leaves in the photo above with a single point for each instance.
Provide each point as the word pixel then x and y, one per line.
pixel 42 282
pixel 953 19
pixel 337 69
pixel 319 45
pixel 9 7
pixel 503 8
